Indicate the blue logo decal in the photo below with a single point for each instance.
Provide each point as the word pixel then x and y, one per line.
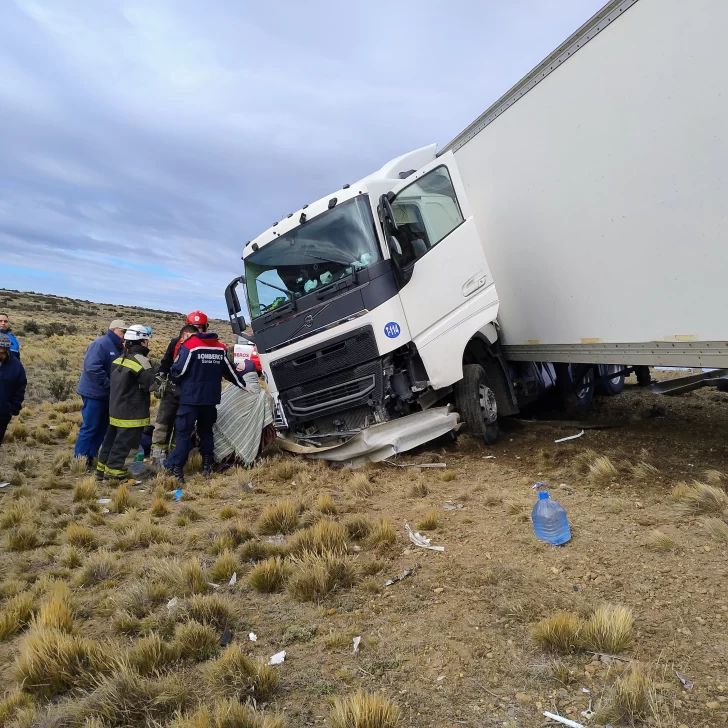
pixel 392 330
pixel 265 376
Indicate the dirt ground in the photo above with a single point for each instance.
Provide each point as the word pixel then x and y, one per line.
pixel 450 645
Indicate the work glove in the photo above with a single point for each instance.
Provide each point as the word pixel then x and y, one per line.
pixel 159 387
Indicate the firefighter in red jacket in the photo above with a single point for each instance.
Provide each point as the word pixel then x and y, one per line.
pixel 198 370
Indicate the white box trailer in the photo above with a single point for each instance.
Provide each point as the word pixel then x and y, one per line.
pixel 599 187
pixel 578 224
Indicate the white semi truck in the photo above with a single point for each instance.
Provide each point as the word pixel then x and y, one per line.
pixel 574 231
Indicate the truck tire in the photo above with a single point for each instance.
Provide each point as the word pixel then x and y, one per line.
pixel 476 404
pixel 584 384
pixel 610 387
pixel 644 378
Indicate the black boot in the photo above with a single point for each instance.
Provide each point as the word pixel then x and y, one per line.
pixel 207 461
pixel 178 472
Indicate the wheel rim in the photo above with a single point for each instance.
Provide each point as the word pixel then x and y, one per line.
pixel 611 369
pixel 585 384
pixel 488 405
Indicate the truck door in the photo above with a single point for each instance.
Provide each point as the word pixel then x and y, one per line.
pixel 444 276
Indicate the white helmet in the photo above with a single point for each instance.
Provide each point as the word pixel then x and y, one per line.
pixel 136 333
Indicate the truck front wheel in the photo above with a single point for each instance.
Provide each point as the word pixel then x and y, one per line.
pixel 475 401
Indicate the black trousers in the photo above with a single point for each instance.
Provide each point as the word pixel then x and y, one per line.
pixel 4 422
pixel 117 445
pixel 166 414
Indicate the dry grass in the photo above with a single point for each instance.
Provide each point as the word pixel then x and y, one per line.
pixel 326 536
pixel 152 654
pixel 314 576
pixel 325 504
pixel 139 597
pixel 360 486
pixel 255 551
pixel 430 521
pixel 99 566
pixel 716 528
pixel 337 641
pixel 659 542
pixel 357 527
pixel 227 714
pixel 50 662
pixel 383 534
pixel 196 641
pixel 235 675
pixel 22 538
pixel 609 629
pixel 225 566
pixel 159 507
pixel 281 517
pixel 85 491
pixel 645 473
pixel 16 615
pixel 80 536
pixel 583 460
pixel 419 490
pixel 363 710
pixel 284 469
pixel 142 535
pixel 679 491
pixel 446 476
pixel 215 610
pixel 56 611
pixel 228 512
pixel 123 500
pixel 602 471
pixel 714 477
pixel 560 632
pixel 190 578
pixel 630 701
pixel 70 556
pixel 702 498
pixel 20 511
pixel 12 704
pixel 269 576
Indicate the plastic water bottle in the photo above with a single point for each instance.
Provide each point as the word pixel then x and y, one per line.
pixel 138 463
pixel 549 521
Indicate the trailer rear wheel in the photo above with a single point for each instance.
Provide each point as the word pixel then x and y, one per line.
pixel 475 401
pixel 612 386
pixel 644 378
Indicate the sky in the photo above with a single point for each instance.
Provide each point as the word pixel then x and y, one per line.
pixel 144 141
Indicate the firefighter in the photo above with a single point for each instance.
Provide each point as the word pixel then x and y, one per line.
pixel 199 367
pixel 132 378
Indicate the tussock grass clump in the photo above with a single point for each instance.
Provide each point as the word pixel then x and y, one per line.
pixel 714 477
pixel 123 500
pixel 602 471
pixel 325 504
pixel 269 576
pixel 609 629
pixel 214 610
pixel 62 460
pixel 281 517
pixel 70 556
pixel 419 490
pixel 430 522
pixel 370 568
pixel 255 551
pixel 18 432
pixel 185 578
pixel 315 576
pixel 337 641
pixel 679 490
pixel 228 714
pixel 139 597
pixel 194 463
pixel 196 641
pixel 124 622
pixel 582 461
pixel 20 511
pixel 645 473
pixel 703 498
pixel 12 704
pixel 78 465
pixel 22 538
pixel 51 662
pixel 99 566
pixel 225 566
pixel 360 486
pixel 16 615
pixel 228 512
pixel 56 611
pixel 559 632
pixel 284 470
pixel 716 528
pixel 151 654
pixel 80 536
pixel 383 534
pixel 142 535
pixel 447 476
pixel 630 700
pixel 357 527
pixel 235 675
pixel 159 507
pixel 659 541
pixel 326 536
pixel 363 710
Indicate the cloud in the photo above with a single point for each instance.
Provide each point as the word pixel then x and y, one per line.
pixel 146 140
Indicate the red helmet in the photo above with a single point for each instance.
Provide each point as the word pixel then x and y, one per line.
pixel 196 318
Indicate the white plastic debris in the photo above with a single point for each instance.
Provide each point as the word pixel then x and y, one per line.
pixel 564 721
pixel 278 658
pixel 253 637
pixel 488 457
pixel 4 485
pixel 571 437
pixel 233 579
pixel 357 642
pixel 395 579
pixel 685 681
pixel 105 511
pixel 104 501
pixel 250 485
pixel 277 540
pixel 214 586
pixel 450 507
pixel 422 541
pixel 172 603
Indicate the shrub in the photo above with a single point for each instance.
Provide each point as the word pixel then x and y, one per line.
pixel 31 327
pixel 60 389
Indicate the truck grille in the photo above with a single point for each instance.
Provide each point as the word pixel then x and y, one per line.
pixel 333 396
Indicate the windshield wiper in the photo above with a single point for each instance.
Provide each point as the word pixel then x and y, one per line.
pixel 292 300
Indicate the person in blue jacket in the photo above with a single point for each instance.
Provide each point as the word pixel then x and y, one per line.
pixel 12 385
pixel 94 388
pixel 5 329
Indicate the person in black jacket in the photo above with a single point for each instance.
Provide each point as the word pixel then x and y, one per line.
pixel 132 379
pixel 12 385
pixel 168 392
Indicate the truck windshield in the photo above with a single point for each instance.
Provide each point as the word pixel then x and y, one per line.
pixel 312 256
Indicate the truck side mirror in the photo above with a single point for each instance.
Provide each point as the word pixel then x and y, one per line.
pixel 237 320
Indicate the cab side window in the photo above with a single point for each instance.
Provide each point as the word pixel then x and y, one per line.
pixel 426 212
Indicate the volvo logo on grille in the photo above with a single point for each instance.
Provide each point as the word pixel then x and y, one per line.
pixel 308 321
